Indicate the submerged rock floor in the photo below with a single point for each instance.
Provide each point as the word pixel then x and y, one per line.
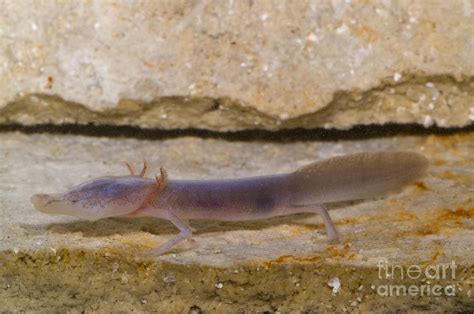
pixel 283 264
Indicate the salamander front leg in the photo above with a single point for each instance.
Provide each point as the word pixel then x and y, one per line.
pixel 185 233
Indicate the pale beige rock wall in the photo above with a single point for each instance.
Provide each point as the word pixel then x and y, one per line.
pixel 229 65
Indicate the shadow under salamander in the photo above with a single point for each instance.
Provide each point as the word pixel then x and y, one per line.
pixel 124 225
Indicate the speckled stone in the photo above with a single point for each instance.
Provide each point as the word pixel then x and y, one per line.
pixel 228 65
pixel 61 263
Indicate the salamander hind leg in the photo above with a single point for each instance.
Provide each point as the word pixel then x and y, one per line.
pixel 333 235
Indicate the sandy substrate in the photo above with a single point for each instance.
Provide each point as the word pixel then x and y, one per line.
pixel 62 263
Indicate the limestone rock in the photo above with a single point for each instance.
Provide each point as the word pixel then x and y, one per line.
pixel 228 65
pixel 66 264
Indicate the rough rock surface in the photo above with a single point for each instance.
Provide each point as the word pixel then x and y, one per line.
pixel 53 263
pixel 228 65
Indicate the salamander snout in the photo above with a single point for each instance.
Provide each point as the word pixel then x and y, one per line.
pixel 45 203
pixel 98 198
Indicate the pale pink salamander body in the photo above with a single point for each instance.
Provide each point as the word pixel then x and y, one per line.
pixel 351 177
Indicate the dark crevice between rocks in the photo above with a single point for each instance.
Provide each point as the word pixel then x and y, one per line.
pixel 225 118
pixel 430 100
pixel 288 135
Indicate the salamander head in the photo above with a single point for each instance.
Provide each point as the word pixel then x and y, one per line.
pixel 97 198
